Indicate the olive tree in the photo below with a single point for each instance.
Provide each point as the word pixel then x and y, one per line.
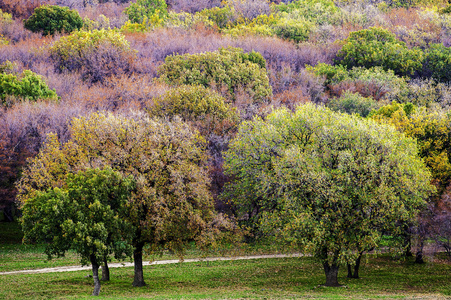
pixel 171 204
pixel 327 182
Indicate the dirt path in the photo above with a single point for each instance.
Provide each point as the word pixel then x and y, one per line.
pixel 156 262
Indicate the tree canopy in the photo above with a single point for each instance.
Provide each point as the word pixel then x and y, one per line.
pixel 327 182
pixel 86 215
pixel 172 202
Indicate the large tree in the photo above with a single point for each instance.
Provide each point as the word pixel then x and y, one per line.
pixel 172 203
pixel 327 182
pixel 86 215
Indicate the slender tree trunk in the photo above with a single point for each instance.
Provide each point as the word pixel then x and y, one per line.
pixel 95 275
pixel 356 267
pixel 331 274
pixel 419 253
pixel 349 270
pixel 105 270
pixel 138 259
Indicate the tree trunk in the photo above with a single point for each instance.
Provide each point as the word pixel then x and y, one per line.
pixel 95 275
pixel 105 271
pixel 419 253
pixel 138 259
pixel 331 274
pixel 356 267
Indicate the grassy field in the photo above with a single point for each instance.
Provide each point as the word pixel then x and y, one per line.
pixel 288 278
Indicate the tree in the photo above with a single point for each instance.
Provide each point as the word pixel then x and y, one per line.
pixel 172 203
pixel 86 215
pixel 51 19
pixel 328 183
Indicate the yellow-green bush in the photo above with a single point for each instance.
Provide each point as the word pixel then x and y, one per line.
pixel 229 70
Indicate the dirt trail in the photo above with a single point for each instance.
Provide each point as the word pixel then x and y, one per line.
pixel 150 263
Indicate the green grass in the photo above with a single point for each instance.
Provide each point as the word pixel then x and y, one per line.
pixel 16 256
pixel 266 278
pixel 381 277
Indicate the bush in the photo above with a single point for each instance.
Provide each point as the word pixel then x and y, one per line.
pixel 51 19
pixel 426 92
pixel 373 82
pixel 27 85
pixel 141 9
pixel 220 16
pixel 353 103
pixel 199 106
pixel 439 62
pixel 228 70
pixel 379 47
pixel 293 30
pixel 96 54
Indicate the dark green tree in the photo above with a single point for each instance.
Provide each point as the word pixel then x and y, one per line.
pixel 87 215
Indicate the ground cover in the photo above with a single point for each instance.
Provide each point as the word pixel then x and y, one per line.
pixel 382 277
pixel 285 278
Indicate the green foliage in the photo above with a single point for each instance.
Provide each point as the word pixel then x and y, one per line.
pixel 379 47
pixel 426 92
pixel 431 129
pixel 318 12
pixel 27 85
pixel 171 204
pixel 353 103
pixel 142 9
pixel 293 30
pixel 329 183
pixel 221 16
pixel 374 82
pixel 228 70
pixel 439 62
pixel 86 215
pixel 51 19
pixel 202 107
pixel 446 10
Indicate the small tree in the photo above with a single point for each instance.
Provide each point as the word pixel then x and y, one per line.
pixel 328 183
pixel 86 215
pixel 51 19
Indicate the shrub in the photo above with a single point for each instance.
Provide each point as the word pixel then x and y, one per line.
pixel 97 54
pixel 353 103
pixel 374 82
pixel 426 92
pixel 227 70
pixel 28 85
pixel 439 62
pixel 51 19
pixel 221 16
pixel 199 106
pixel 142 9
pixel 379 47
pixel 318 12
pixel 192 6
pixel 293 30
